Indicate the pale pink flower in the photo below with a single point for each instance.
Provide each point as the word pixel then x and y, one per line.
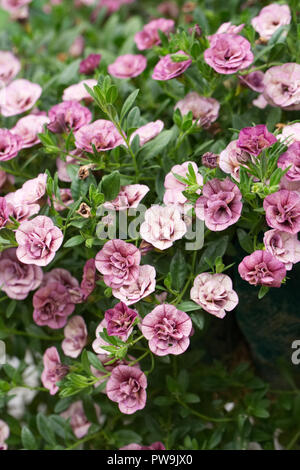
pixel 262 268
pixel 28 129
pixel 32 190
pixel 228 53
pixel 75 333
pixel 271 18
pixel 174 187
pixel 231 159
pixel 166 68
pixel 78 91
pixel 141 287
pixel 149 36
pixel 113 5
pixel 129 197
pixel 18 208
pixel 167 329
pixel 290 185
pixel 162 226
pixel 127 386
pixel 4 434
pixel 88 282
pixel 283 211
pixel 101 133
pixel 118 261
pixel 99 342
pixel 18 279
pixel 10 66
pixel 10 145
pixel 38 240
pixel 4 212
pixel 290 134
pixel 291 158
pixel 229 28
pixel 155 446
pixel 254 80
pixel 283 246
pixel 18 9
pixel 78 420
pixel 260 102
pixel 148 132
pixel 53 371
pixel 19 96
pixel 128 66
pixel 205 110
pixel 282 86
pixel 77 47
pixel 214 293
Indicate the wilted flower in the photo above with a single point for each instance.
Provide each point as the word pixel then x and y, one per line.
pixel 148 131
pixel 9 67
pixel 141 287
pixel 53 371
pixel 128 66
pixel 84 210
pixel 262 268
pixel 101 133
pixel 283 246
pixel 214 293
pixel 75 333
pixel 220 205
pixel 283 211
pixel 282 86
pixel 167 330
pixel 271 18
pixel 254 139
pixel 228 53
pixel 149 36
pixel 52 305
pixel 166 68
pixel 291 158
pixel 18 279
pixel 88 65
pixel 19 96
pixel 28 129
pixel 127 386
pixel 205 110
pixel 10 145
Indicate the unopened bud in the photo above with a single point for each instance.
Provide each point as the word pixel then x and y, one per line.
pixel 210 160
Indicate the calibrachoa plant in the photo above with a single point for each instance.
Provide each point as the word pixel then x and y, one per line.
pixel 149 155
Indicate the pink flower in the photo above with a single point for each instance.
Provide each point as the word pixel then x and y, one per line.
pixel 28 129
pixel 77 47
pixel 4 212
pixel 113 5
pixel 166 68
pixel 75 333
pixel 10 145
pixel 4 434
pixel 18 208
pixel 78 92
pixel 32 190
pixel 290 134
pixel 127 386
pixel 129 197
pixel 62 276
pixel 210 160
pixel 38 241
pixel 105 360
pixel 167 330
pixel 155 446
pixel 52 305
pixel 283 211
pixel 99 342
pixel 290 185
pixel 88 65
pixel 228 53
pixel 149 36
pixel 78 420
pixel 230 28
pixel 141 287
pixel 231 159
pixel 66 200
pixel 119 320
pixel 19 96
pixel 220 206
pixel 261 268
pixel 18 279
pixel 205 110
pixel 291 158
pixel 260 102
pixel 88 282
pixel 148 132
pixel 118 261
pixel 174 187
pixel 162 226
pixel 255 139
pixel 68 115
pixel 214 293
pixel 254 80
pixel 10 66
pixel 282 86
pixel 62 168
pixel 18 9
pixel 128 66
pixel 54 370
pixel 101 133
pixel 283 246
pixel 271 18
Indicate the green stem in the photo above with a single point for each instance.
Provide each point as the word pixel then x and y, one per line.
pixel 204 417
pixel 132 363
pixel 293 441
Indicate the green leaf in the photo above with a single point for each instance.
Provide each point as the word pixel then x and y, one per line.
pixel 198 320
pixel 188 306
pixel 157 145
pixel 45 429
pixel 93 359
pixel 128 103
pixel 213 250
pixel 110 185
pixel 245 240
pixel 178 269
pixel 11 308
pixel 28 439
pixel 74 241
pixel 263 291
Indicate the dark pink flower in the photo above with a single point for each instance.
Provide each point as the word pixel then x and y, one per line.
pixel 88 282
pixel 167 329
pixel 53 371
pixel 220 205
pixel 52 306
pixel 18 279
pixel 127 386
pixel 68 115
pixel 10 145
pixel 4 212
pixel 254 139
pixel 119 321
pixel 88 65
pixel 38 240
pixel 291 158
pixel 118 261
pixel 228 53
pixel 283 211
pixel 76 334
pixel 262 268
pixel 128 66
pixel 149 36
pixel 166 68
pixel 101 133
